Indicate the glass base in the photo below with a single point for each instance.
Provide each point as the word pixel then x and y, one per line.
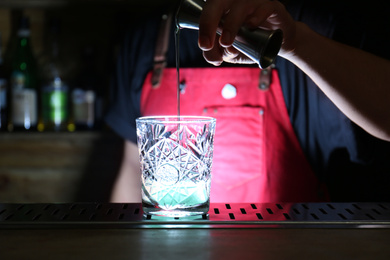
pixel 175 213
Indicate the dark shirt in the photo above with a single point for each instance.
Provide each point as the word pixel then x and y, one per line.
pixel 354 164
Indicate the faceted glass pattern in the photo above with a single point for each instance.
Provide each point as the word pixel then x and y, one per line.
pixel 176 158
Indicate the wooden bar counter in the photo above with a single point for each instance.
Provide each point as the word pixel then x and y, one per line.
pixel 230 231
pixel 172 243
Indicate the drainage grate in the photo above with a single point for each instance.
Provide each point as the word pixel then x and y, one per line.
pixel 112 215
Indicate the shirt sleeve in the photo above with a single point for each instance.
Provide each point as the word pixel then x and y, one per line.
pixel 352 162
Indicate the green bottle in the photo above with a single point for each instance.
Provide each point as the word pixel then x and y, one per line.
pixel 23 81
pixel 54 89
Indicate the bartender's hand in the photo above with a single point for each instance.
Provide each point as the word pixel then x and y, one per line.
pixel 235 13
pixel 362 97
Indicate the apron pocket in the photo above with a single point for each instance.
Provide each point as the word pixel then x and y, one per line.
pixel 238 162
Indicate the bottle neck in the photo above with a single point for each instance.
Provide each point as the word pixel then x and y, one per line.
pixel 23 64
pixel 53 70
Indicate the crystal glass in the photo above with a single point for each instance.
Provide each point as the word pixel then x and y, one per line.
pixel 176 155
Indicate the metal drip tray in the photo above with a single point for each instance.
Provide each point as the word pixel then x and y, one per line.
pixel 245 215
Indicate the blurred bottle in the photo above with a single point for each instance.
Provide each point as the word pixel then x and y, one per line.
pixel 3 91
pixel 54 92
pixel 86 98
pixel 23 82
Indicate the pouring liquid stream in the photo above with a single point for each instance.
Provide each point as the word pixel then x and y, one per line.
pixel 177 43
pixel 177 52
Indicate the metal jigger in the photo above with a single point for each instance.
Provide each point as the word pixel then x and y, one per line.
pixel 262 46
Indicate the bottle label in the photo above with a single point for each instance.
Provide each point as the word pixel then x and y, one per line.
pixel 24 107
pixel 83 106
pixel 54 105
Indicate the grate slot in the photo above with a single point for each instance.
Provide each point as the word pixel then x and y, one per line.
pixel 376 211
pixel 287 216
pixel 323 211
pixel 296 211
pixel 369 216
pixel 253 206
pixel 243 211
pixel 92 217
pixel 228 206
pixel 269 211
pixel 2 211
pixel 216 211
pixel 35 218
pixel 350 211
pixel 330 206
pixel 231 216
pixel 9 216
pixel 55 212
pixel 356 206
pixel 382 206
pixel 342 216
pixel 259 216
pixel 279 206
pixel 314 216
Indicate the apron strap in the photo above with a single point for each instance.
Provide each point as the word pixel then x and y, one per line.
pixel 265 79
pixel 161 49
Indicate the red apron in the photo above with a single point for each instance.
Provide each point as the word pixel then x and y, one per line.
pixel 257 157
